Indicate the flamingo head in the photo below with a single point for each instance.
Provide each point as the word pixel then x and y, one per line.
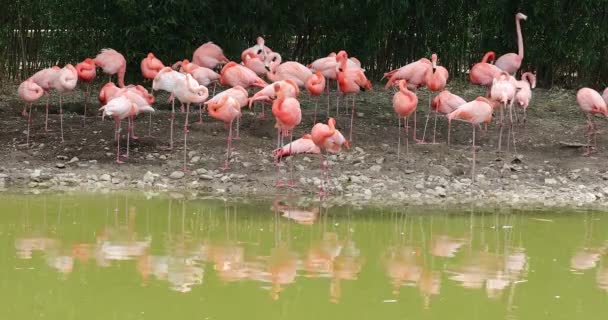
pixel 521 16
pixel 150 55
pixel 434 61
pixel 342 55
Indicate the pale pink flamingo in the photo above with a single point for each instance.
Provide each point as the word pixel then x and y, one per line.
pixel 112 62
pixel 405 103
pixel 142 100
pixel 445 102
pixel 475 112
pixel 107 92
pixel 254 62
pixel 503 91
pixel 315 85
pixel 299 146
pixel 29 92
pixel 110 91
pixel 591 103
pixel 209 55
pixel 234 74
pixel 327 138
pixel 119 108
pixel 259 48
pixel 226 109
pixel 43 78
pixel 148 97
pixel 350 81
pixel 268 94
pixel 65 80
pixel 86 73
pixel 168 80
pixel 289 70
pixel 204 76
pixel 511 62
pixel 436 79
pixel 150 66
pixel 524 94
pixel 288 115
pixel 240 95
pixel 484 72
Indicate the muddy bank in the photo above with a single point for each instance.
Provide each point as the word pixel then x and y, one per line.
pixel 541 173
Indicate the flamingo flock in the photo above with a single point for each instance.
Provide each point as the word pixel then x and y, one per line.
pixel 188 81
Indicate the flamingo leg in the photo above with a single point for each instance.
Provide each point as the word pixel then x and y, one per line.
pixel 415 124
pixel 133 136
pixel 129 126
pixel 185 168
pixel 449 134
pixel 511 131
pixel 61 116
pixel 238 126
pixel 278 182
pixel 29 122
pixel 501 127
pixel 352 119
pixel 24 111
pixel 86 101
pixel 474 152
pixel 118 141
pixel 172 119
pixel 426 122
pixel 337 106
pixel 200 113
pixel 435 128
pixel 399 139
pixel 228 147
pixel 327 87
pixel 46 117
pixel 315 114
pixel 291 182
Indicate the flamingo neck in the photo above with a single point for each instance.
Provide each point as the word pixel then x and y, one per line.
pixel 520 39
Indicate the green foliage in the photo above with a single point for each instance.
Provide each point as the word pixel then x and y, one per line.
pixel 566 41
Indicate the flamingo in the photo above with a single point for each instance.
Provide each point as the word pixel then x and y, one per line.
pixel 315 85
pixel 65 80
pixel 204 76
pixel 110 91
pixel 254 62
pixel 414 73
pixel 445 102
pixel 483 73
pixel 511 62
pixel 475 112
pixel 43 79
pixel 168 80
pixel 591 103
pixel 327 138
pixel 142 100
pixel 604 95
pixel 150 66
pixel 209 55
pixel 328 67
pixel 240 95
pixel 436 79
pixel 107 92
pixel 289 70
pixel 267 94
pixel 259 48
pixel 350 81
pixel 226 110
pixel 112 62
pixel 29 92
pixel 405 103
pixel 524 95
pixel 86 73
pixel 234 74
pixel 503 91
pixel 288 115
pixel 299 146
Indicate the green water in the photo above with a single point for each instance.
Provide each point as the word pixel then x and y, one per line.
pixel 127 257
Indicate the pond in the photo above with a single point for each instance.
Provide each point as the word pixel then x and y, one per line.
pixel 125 256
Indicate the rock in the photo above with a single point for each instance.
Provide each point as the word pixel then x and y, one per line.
pixel 419 186
pixel 360 150
pixel 105 177
pixel 550 181
pixel 150 177
pixel 149 157
pixel 191 154
pixel 115 180
pixel 195 159
pixel 246 164
pixel 375 168
pixel 62 158
pixel 457 170
pixel 441 170
pixel 60 165
pixel 440 191
pixel 380 160
pixel 367 192
pixel 205 177
pixel 225 179
pixel 201 171
pixel 517 159
pixel 163 157
pixel 175 175
pixel 409 171
pixel 74 159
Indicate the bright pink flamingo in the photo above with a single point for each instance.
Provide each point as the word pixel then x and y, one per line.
pixel 86 73
pixel 299 146
pixel 315 85
pixel 445 102
pixel 226 109
pixel 112 62
pixel 209 55
pixel 150 66
pixel 524 95
pixel 268 94
pixel 240 95
pixel 483 73
pixel 29 92
pixel 591 103
pixel 414 73
pixel 65 80
pixel 107 93
pixel 234 74
pixel 405 103
pixel 254 62
pixel 503 91
pixel 288 115
pixel 327 138
pixel 436 79
pixel 350 81
pixel 289 70
pixel 475 112
pixel 511 62
pixel 43 78
pixel 168 80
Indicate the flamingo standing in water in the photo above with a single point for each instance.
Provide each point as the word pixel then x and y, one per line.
pixel 315 85
pixel 65 80
pixel 43 78
pixel 29 92
pixel 591 103
pixel 436 79
pixel 226 109
pixel 475 112
pixel 327 138
pixel 524 94
pixel 511 62
pixel 112 62
pixel 234 74
pixel 86 73
pixel 209 55
pixel 405 103
pixel 150 66
pixel 267 94
pixel 503 91
pixel 350 81
pixel 445 103
pixel 288 115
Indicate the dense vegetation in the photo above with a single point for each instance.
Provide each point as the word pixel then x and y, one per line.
pixel 566 41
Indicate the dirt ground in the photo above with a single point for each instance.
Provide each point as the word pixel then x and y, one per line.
pixel 553 118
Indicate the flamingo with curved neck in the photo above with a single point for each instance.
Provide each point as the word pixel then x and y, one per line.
pixel 405 103
pixel 511 62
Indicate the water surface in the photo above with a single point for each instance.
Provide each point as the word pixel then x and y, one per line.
pixel 123 256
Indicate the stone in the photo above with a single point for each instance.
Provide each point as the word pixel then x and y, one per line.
pixel 74 159
pixel 441 170
pixel 375 168
pixel 191 154
pixel 246 164
pixel 440 191
pixel 105 177
pixel 205 177
pixel 175 175
pixel 550 181
pixel 380 160
pixel 150 177
pixel 62 158
pixel 195 159
pixel 162 157
pixel 60 165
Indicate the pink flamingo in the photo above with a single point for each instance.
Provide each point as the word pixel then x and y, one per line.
pixel 150 66
pixel 315 85
pixel 142 100
pixel 259 48
pixel 86 73
pixel 405 103
pixel 234 74
pixel 483 73
pixel 29 92
pixel 168 80
pixel 268 94
pixel 327 138
pixel 299 146
pixel 350 81
pixel 110 91
pixel 288 115
pixel 503 91
pixel 43 78
pixel 511 62
pixel 289 70
pixel 209 55
pixel 524 95
pixel 254 62
pixel 65 80
pixel 240 95
pixel 107 92
pixel 112 62
pixel 204 76
pixel 591 103
pixel 226 110
pixel 414 73
pixel 475 112
pixel 436 79
pixel 445 102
